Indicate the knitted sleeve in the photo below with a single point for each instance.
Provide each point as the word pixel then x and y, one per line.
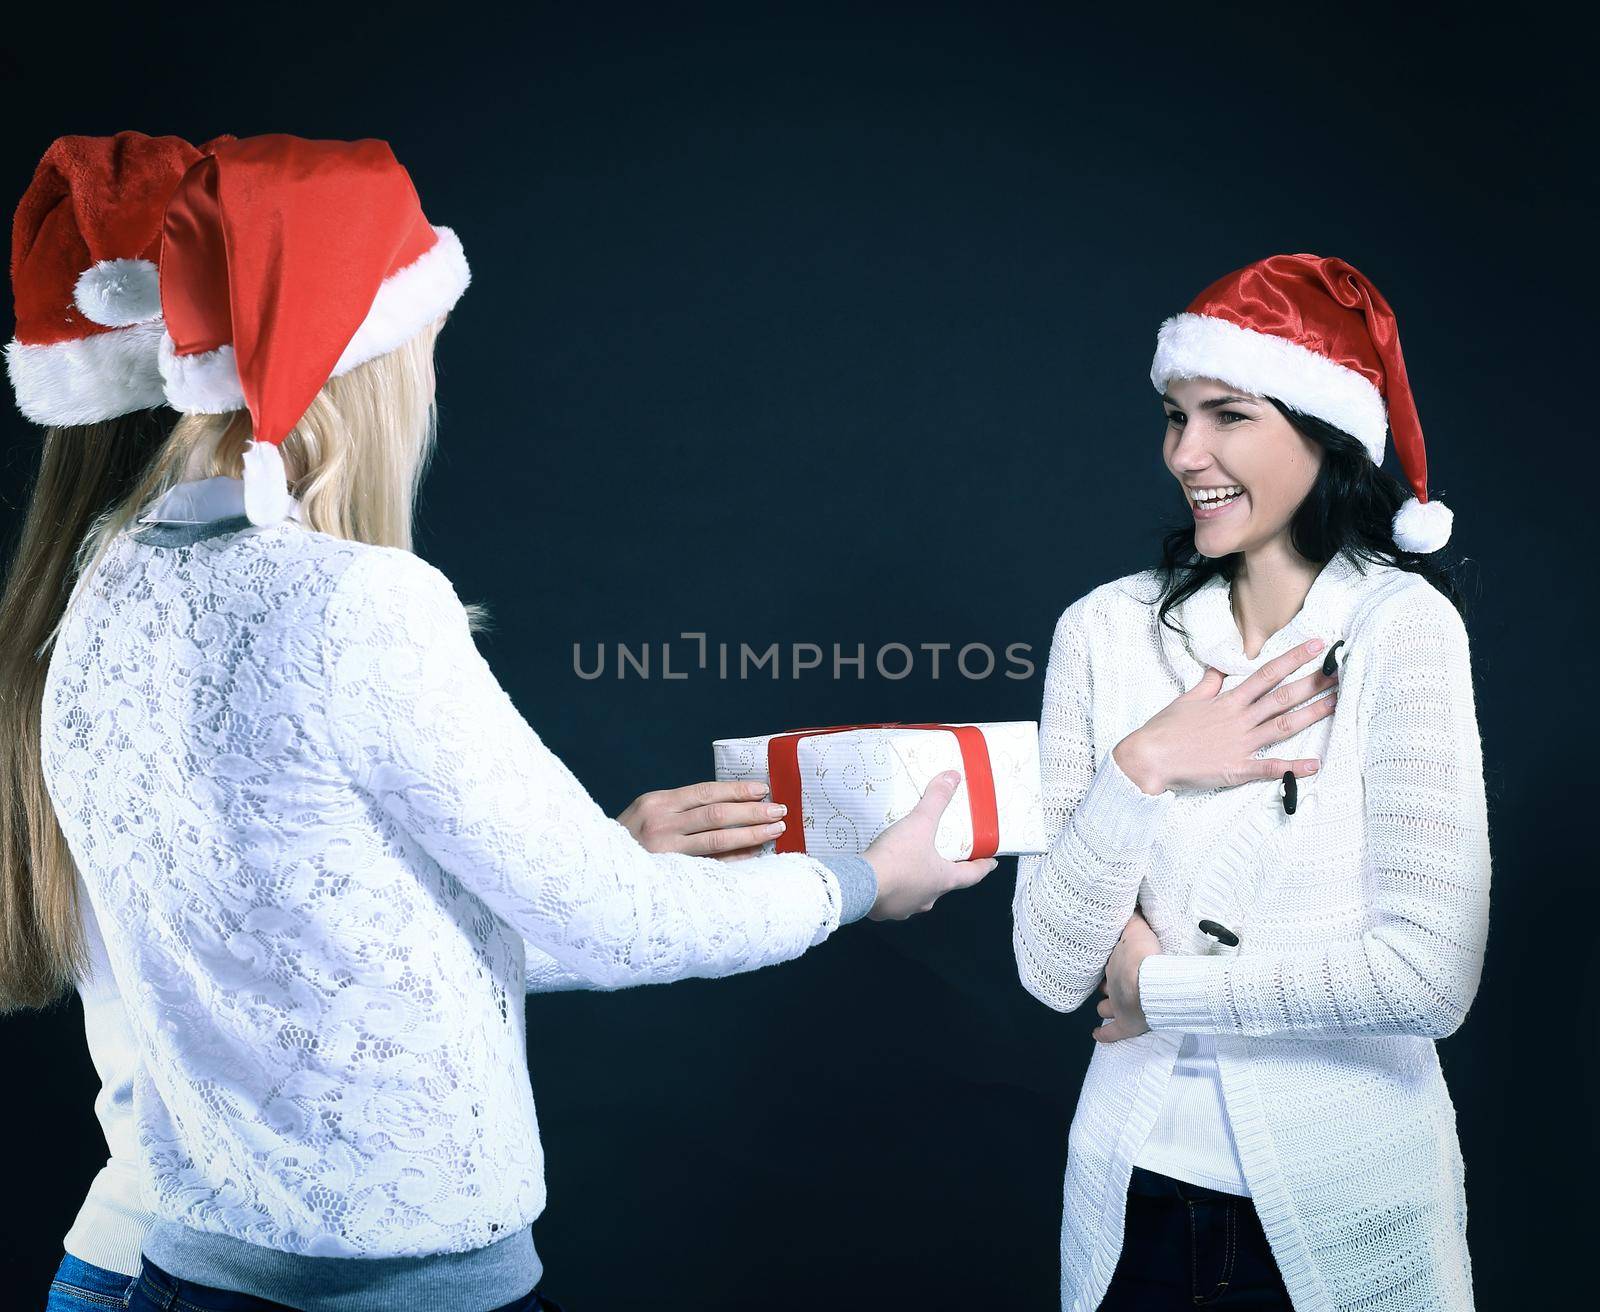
pixel 422 726
pixel 1415 969
pixel 1073 901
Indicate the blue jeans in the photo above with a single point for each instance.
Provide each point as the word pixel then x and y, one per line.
pixel 1186 1247
pixel 156 1291
pixel 79 1287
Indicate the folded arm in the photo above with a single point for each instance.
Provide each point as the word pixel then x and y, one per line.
pixel 1416 969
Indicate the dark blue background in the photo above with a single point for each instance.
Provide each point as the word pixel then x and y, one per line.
pixel 824 324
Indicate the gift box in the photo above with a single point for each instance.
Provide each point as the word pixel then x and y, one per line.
pixel 844 785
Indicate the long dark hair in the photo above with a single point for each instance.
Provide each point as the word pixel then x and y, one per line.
pixel 1351 506
pixel 83 473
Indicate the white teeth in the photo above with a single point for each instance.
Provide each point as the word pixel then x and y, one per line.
pixel 1206 496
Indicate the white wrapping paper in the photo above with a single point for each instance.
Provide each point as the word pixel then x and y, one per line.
pixel 855 784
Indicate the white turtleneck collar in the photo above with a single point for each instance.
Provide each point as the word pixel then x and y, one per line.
pixel 1214 637
pixel 202 500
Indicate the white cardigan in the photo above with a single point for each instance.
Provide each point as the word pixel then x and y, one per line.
pixel 1362 919
pixel 320 839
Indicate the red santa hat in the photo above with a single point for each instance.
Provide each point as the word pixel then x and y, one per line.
pixel 285 262
pixel 83 274
pixel 1313 332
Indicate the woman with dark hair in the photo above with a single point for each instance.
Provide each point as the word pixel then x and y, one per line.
pixel 1282 891
pixel 82 366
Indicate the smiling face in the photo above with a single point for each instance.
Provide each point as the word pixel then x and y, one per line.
pixel 1251 464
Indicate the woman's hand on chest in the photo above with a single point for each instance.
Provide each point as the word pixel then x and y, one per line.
pixel 1207 738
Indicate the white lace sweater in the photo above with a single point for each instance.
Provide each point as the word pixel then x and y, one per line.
pixel 1362 920
pixel 319 839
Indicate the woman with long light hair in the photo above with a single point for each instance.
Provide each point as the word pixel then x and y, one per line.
pixel 84 367
pixel 328 853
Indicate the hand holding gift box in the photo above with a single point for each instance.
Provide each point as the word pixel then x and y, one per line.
pixel 844 785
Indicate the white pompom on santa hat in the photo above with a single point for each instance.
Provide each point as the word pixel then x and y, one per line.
pixel 286 262
pixel 1314 333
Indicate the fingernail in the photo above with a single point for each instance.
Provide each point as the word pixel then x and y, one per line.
pixel 777 809
pixel 777 828
pixel 1314 767
pixel 1315 644
pixel 758 790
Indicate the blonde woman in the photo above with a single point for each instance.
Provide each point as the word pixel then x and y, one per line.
pixel 1270 746
pixel 328 852
pixel 83 366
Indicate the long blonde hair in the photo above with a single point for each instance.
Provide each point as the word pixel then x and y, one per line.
pixel 356 461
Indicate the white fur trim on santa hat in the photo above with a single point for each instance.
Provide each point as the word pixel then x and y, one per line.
pixel 1203 346
pixel 204 384
pixel 408 300
pixel 117 293
pixel 87 379
pixel 1422 526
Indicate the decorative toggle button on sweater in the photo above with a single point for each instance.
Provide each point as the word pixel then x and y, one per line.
pixel 1361 921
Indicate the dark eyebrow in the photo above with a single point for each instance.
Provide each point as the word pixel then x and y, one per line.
pixel 1214 402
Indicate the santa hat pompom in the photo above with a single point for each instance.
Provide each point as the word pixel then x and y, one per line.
pixel 119 293
pixel 266 486
pixel 1422 526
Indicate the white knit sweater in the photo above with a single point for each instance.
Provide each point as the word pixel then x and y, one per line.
pixel 317 834
pixel 1362 919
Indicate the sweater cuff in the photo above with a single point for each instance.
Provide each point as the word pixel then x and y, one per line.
pixel 1175 992
pixel 1116 815
pixel 858 885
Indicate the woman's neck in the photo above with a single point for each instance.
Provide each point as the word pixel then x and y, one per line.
pixel 1269 590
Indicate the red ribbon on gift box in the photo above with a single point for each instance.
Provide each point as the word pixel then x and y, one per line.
pixel 783 776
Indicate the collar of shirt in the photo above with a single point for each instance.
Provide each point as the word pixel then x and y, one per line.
pixel 1214 637
pixel 202 500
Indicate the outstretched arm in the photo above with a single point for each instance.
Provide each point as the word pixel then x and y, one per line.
pixel 422 725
